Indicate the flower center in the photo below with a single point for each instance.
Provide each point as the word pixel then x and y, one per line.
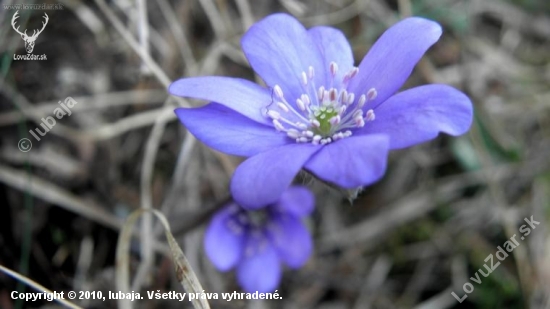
pixel 320 115
pixel 241 219
pixel 253 223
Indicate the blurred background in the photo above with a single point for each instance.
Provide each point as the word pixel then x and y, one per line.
pixel 409 241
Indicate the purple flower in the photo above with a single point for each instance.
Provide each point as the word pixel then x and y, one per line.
pixel 320 112
pixel 256 241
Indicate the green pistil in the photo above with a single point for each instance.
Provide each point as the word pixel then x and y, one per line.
pixel 258 218
pixel 323 115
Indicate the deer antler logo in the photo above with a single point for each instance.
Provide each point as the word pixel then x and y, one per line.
pixel 29 40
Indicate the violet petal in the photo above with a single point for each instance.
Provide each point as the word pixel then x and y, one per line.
pixel 352 162
pixel 261 270
pixel 279 49
pixel 419 114
pixel 292 240
pixel 297 200
pixel 224 240
pixel 240 95
pixel 230 132
pixel 393 56
pixel 261 179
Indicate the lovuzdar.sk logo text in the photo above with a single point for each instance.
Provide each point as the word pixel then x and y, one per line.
pixel 29 39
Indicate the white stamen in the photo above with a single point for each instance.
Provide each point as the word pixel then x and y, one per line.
pixel 283 106
pixel 333 68
pixel 326 101
pixel 306 99
pixel 359 122
pixel 292 133
pixel 278 92
pixel 308 133
pixel 301 105
pixel 335 120
pixel 337 136
pixel 274 114
pixel 311 72
pixel 321 93
pixel 315 123
pixel 278 126
pixel 304 78
pixel 353 72
pixel 301 126
pixel 302 139
pixel 370 115
pixel 351 98
pixel 362 100
pixel 372 94
pixel 357 114
pixel 333 94
pixel 343 96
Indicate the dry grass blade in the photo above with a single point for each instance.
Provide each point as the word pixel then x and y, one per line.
pixel 36 286
pixel 139 120
pixel 143 32
pixel 179 35
pixel 86 103
pixel 338 16
pixel 147 238
pixel 184 272
pixel 57 196
pixel 146 58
